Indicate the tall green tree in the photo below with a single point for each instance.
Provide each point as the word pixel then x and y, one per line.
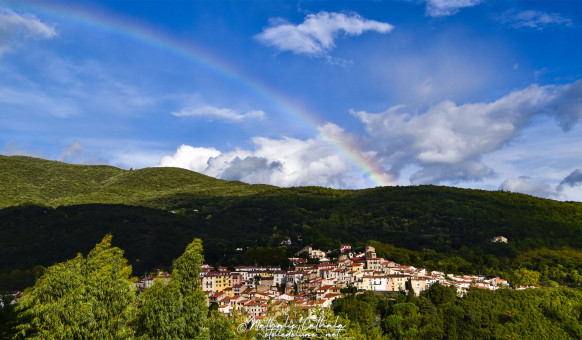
pixel 175 309
pixel 81 298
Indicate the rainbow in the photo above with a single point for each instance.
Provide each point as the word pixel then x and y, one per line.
pixel 200 57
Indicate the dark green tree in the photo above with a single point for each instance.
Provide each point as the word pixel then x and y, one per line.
pixel 393 326
pixel 439 294
pixel 356 310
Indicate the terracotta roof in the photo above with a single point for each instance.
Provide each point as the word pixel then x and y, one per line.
pixel 331 295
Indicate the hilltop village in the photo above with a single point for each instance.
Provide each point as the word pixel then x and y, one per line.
pixel 261 291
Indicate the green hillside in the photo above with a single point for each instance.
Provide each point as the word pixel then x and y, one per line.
pixel 26 180
pixel 53 210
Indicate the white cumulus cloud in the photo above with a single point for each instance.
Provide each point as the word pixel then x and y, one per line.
pixel 15 27
pixel 188 157
pixel 439 8
pixel 219 113
pixel 282 162
pixel 448 141
pixel 317 33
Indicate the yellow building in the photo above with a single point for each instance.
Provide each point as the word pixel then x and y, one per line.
pixel 216 281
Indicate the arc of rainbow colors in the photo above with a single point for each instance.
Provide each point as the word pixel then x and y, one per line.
pixel 156 40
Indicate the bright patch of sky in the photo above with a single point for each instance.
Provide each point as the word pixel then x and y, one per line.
pixel 345 94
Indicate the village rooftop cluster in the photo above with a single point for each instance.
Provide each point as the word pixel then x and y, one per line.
pixel 267 291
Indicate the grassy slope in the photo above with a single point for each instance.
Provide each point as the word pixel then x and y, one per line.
pixel 26 180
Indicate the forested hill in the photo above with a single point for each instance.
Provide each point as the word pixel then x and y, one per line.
pixel 51 211
pixel 26 180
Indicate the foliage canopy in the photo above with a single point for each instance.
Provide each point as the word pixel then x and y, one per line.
pixel 81 298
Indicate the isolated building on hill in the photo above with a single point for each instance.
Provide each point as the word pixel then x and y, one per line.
pixel 499 239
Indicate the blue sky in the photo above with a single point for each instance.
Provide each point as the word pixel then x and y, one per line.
pixel 344 94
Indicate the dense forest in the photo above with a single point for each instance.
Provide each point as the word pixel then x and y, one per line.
pixel 51 211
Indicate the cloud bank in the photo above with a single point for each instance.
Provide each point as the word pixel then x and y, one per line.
pixel 448 141
pixel 316 35
pixel 15 27
pixel 282 162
